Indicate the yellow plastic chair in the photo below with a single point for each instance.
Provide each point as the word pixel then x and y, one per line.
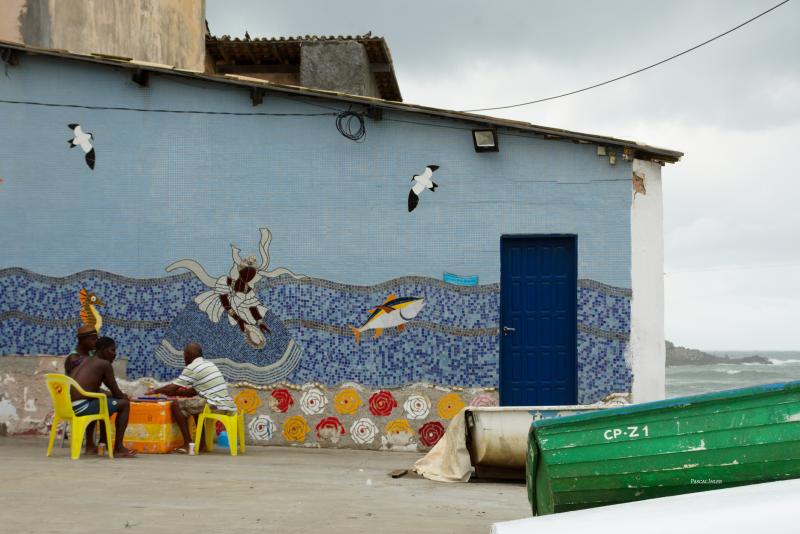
pixel 59 387
pixel 234 426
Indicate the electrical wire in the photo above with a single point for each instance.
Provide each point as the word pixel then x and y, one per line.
pixel 345 120
pixel 183 111
pixel 344 124
pixel 636 71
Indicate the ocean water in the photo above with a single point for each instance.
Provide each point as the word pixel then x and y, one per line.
pixel 692 379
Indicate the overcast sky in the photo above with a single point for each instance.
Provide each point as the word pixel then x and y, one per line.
pixel 732 205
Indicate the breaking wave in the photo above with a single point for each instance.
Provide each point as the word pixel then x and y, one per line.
pixel 777 361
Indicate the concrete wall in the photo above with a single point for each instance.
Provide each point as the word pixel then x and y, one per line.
pixel 647 281
pixel 171 32
pixel 181 187
pixel 25 405
pixel 409 418
pixel 337 66
pixel 10 26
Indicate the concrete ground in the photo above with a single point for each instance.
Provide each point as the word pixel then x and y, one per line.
pixel 270 489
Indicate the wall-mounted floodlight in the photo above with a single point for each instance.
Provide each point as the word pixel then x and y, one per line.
pixel 485 140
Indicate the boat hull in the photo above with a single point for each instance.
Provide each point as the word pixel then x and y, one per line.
pixel 664 448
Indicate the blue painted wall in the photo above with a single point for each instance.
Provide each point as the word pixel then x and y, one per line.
pixel 171 186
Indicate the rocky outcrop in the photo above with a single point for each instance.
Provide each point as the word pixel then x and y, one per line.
pixel 684 356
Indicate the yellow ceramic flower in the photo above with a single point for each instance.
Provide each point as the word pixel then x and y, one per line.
pixel 295 428
pixel 398 426
pixel 347 401
pixel 449 405
pixel 247 401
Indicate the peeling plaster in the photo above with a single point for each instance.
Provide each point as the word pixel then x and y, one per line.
pixel 638 185
pixel 401 445
pixel 8 413
pixel 29 404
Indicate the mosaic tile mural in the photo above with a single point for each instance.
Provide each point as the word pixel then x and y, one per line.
pixel 412 418
pixel 452 342
pixel 311 383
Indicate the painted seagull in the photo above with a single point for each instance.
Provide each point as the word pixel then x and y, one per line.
pixel 423 182
pixel 84 140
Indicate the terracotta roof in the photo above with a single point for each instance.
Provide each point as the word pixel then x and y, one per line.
pixel 632 148
pixel 282 53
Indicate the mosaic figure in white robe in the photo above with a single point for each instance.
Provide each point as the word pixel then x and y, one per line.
pixel 234 295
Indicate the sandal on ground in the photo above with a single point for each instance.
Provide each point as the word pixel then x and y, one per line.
pixel 125 453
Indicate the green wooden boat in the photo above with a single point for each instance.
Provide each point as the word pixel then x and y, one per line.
pixel 683 445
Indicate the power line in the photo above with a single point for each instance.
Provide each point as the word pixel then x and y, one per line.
pixel 345 119
pixel 152 110
pixel 636 71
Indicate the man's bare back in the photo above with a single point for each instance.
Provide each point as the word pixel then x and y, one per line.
pixel 91 374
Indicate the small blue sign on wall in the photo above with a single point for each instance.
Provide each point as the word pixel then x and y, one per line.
pixel 454 279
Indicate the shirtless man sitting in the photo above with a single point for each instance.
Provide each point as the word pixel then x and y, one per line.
pixel 87 338
pixel 93 372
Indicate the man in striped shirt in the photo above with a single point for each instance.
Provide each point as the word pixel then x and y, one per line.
pixel 200 383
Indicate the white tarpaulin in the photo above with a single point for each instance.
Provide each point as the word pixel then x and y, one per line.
pixel 448 460
pixel 499 439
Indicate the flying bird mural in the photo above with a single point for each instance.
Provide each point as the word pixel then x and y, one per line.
pixel 83 140
pixel 421 183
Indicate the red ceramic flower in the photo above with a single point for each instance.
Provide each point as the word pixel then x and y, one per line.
pixel 281 400
pixel 382 403
pixel 329 427
pixel 430 433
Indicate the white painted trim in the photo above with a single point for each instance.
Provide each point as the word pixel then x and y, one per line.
pixel 646 349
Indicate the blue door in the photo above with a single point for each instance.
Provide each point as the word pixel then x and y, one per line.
pixel 538 317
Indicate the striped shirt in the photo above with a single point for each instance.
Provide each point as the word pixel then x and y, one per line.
pixel 206 379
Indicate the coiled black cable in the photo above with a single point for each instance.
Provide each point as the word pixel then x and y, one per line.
pixel 345 125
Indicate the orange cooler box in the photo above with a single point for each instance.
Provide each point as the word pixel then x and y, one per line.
pixel 150 428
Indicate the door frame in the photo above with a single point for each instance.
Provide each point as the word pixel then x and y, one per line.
pixel 503 237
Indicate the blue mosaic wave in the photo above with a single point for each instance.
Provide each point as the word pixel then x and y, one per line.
pixel 155 299
pixel 315 314
pixel 222 340
pixel 602 368
pixel 339 307
pixel 602 310
pixel 25 337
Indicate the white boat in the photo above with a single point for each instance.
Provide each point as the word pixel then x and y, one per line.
pixel 769 507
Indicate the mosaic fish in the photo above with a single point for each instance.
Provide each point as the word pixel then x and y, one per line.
pixel 393 313
pixel 89 314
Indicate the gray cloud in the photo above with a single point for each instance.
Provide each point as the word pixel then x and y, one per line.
pixel 580 41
